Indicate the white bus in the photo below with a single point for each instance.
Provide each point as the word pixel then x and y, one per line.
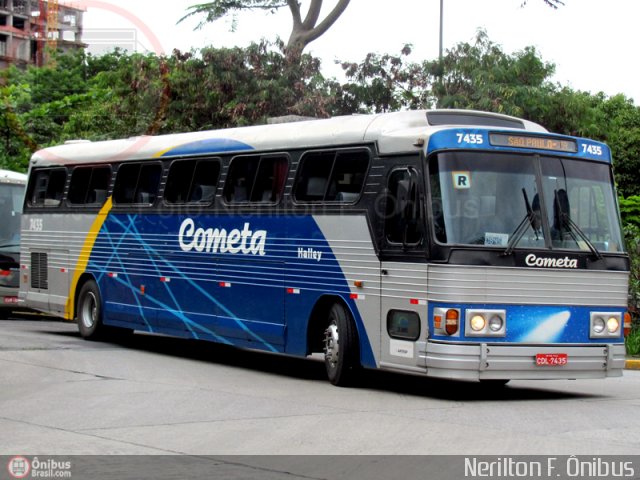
pixel 454 244
pixel 12 186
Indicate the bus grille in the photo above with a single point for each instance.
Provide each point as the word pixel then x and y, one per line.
pixel 39 271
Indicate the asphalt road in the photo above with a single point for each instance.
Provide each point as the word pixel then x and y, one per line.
pixel 61 395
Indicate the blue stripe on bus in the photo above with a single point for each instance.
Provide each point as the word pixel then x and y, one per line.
pixel 208 145
pixel 535 324
pixel 133 253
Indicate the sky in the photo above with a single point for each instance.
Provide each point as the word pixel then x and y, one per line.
pixel 591 42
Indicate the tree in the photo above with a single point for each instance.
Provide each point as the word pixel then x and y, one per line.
pixel 303 32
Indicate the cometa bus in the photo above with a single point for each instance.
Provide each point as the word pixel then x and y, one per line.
pixel 454 244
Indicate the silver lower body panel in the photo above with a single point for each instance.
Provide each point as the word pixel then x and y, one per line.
pixel 491 361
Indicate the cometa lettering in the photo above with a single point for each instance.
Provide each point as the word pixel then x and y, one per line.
pixel 214 240
pixel 534 261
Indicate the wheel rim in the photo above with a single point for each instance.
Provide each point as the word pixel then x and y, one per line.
pixel 89 310
pixel 331 345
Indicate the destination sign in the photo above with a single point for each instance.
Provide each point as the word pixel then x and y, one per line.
pixel 539 143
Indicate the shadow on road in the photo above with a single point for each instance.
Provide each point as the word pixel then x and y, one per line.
pixel 312 369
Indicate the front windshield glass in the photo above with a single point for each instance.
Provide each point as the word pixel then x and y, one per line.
pixel 492 199
pixel 482 199
pixel 580 201
pixel 11 197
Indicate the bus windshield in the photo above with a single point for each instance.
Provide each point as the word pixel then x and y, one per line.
pixel 488 199
pixel 11 196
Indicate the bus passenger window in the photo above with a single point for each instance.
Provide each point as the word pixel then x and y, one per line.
pixel 256 179
pixel 192 181
pixel 137 183
pixel 47 187
pixel 89 185
pixel 332 176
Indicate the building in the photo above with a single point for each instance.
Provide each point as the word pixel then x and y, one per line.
pixel 27 27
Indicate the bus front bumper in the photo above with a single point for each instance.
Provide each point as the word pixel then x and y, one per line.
pixel 494 361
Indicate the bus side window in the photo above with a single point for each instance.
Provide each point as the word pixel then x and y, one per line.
pixel 332 176
pixel 192 181
pixel 256 179
pixel 47 188
pixel 89 185
pixel 137 183
pixel 403 212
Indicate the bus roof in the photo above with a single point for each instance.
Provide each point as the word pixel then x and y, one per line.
pixel 7 176
pixel 393 132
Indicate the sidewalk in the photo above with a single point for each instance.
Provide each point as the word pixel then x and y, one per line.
pixel 632 363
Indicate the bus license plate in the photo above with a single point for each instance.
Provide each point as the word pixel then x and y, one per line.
pixel 551 359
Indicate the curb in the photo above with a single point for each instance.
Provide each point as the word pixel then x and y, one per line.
pixel 632 364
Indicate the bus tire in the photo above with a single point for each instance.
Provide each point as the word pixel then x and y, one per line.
pixel 341 355
pixel 89 312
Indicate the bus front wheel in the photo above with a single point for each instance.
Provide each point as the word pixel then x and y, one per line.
pixel 341 358
pixel 89 311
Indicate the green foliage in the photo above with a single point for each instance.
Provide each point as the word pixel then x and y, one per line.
pixel 212 11
pixel 633 342
pixel 122 95
pixel 630 210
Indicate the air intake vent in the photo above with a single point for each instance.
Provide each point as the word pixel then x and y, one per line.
pixel 472 119
pixel 39 271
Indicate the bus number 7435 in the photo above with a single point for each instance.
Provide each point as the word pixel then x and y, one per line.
pixel 471 138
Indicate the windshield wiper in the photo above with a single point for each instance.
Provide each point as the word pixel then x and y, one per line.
pixel 532 218
pixel 11 244
pixel 565 222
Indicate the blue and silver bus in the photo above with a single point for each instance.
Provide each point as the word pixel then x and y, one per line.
pixel 12 186
pixel 447 243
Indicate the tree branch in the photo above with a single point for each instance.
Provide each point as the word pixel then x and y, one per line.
pixel 294 6
pixel 302 38
pixel 313 14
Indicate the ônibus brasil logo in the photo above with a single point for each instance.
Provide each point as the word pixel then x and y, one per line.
pixel 214 240
pixel 19 467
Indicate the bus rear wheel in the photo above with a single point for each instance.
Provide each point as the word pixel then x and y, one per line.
pixel 341 356
pixel 89 312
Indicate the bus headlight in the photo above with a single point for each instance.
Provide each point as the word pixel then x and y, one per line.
pixel 496 323
pixel 605 325
pixel 598 325
pixel 476 324
pixel 613 324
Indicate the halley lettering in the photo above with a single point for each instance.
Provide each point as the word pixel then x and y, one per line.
pixel 309 254
pixel 533 261
pixel 214 240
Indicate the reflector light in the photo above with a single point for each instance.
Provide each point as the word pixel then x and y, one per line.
pixel 627 323
pixel 5 273
pixel 452 321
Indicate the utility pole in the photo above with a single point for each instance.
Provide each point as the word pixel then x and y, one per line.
pixel 441 28
pixel 440 58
